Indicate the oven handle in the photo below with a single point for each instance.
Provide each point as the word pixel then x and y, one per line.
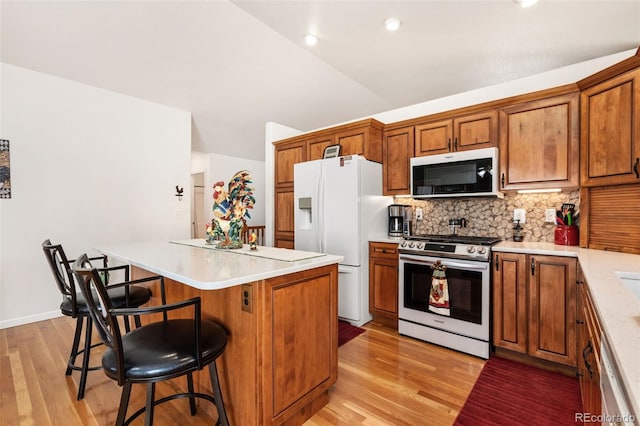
pixel 473 266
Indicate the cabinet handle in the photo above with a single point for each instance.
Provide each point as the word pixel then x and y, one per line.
pixel 579 322
pixel 497 263
pixel 449 144
pixel 455 144
pixel 585 352
pixel 635 168
pixel 533 266
pixel 579 282
pixel 502 180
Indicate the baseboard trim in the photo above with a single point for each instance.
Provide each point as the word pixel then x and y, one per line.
pixel 29 319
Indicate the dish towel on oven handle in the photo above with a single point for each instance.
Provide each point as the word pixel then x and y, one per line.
pixel 439 295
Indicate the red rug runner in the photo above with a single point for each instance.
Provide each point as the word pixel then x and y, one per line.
pixel 347 332
pixel 511 393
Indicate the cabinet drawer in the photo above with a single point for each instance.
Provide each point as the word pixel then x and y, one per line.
pixel 383 251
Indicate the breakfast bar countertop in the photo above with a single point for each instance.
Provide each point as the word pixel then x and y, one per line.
pixel 200 265
pixel 617 306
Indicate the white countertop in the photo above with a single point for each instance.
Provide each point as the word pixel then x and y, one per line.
pixel 194 263
pixel 617 307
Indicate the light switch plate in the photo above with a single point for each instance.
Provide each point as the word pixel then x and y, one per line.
pixel 418 213
pixel 550 215
pixel 519 214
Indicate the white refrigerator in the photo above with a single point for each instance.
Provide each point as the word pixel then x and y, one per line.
pixel 339 207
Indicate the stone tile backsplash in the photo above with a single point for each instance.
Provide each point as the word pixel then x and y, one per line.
pixel 492 217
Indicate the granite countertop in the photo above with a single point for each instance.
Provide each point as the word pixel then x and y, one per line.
pixel 616 305
pixel 194 263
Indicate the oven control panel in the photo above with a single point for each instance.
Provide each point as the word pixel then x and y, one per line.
pixel 460 251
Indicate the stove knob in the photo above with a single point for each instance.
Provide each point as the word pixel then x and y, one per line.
pixel 482 250
pixel 420 246
pixel 411 245
pixel 471 249
pixel 404 244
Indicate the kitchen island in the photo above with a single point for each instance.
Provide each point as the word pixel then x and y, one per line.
pixel 279 307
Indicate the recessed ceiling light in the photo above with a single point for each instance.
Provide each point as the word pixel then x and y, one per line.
pixel 526 3
pixel 310 39
pixel 392 24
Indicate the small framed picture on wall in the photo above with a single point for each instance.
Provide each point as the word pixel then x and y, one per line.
pixel 5 170
pixel 331 151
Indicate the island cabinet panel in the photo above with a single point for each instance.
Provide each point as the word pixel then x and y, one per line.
pixel 610 131
pixel 397 148
pixel 383 282
pixel 535 306
pixel 300 319
pixel 539 144
pixel 282 354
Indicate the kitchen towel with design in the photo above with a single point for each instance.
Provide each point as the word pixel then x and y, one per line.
pixel 439 296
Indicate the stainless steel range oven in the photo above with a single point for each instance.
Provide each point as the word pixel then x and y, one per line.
pixel 464 325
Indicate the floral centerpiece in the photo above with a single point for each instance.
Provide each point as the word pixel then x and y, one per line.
pixel 230 210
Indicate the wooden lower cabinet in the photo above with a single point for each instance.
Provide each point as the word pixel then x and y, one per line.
pixel 534 306
pixel 383 282
pixel 589 335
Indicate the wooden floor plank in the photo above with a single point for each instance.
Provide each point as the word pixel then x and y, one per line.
pixel 383 379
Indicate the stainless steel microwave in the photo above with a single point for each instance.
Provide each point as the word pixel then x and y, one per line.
pixel 471 173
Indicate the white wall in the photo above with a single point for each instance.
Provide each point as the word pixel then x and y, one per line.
pixel 88 167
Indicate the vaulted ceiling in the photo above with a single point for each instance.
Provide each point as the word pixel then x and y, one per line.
pixel 238 64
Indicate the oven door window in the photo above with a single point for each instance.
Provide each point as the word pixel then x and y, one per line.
pixel 465 291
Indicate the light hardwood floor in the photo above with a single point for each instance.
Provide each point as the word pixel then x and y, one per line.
pixel 383 379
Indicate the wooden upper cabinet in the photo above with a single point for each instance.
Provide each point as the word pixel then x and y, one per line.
pixel 363 139
pixel 286 155
pixel 539 144
pixel 434 138
pixel 397 148
pixel 610 131
pixel 476 131
pixel 462 133
pixel 316 146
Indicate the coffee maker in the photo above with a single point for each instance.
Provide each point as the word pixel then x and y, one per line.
pixel 399 220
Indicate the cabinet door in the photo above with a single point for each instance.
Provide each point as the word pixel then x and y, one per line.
pixel 362 140
pixel 434 138
pixel 284 224
pixel 552 308
pixel 316 146
pixel 539 144
pixel 610 131
pixel 383 280
pixel 475 131
pixel 510 301
pixel 286 156
pixel 397 150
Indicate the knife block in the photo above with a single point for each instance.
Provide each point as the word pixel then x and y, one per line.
pixel 566 235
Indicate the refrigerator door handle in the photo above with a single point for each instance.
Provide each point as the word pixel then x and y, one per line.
pixel 320 205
